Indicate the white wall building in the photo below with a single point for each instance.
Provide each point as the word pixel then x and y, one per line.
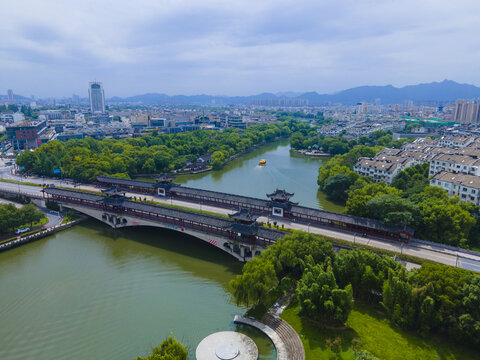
pixel 466 187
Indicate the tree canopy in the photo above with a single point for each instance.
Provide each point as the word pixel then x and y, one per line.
pixel 12 217
pixel 434 298
pixel 169 349
pixel 154 153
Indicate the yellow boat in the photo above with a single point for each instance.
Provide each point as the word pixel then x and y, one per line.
pixel 262 162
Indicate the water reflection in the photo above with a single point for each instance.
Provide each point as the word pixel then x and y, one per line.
pixel 181 250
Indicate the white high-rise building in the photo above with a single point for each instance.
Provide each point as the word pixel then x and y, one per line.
pixel 97 97
pixel 467 111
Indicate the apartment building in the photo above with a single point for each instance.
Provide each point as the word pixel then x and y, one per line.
pixel 466 187
pixel 456 141
pixel 455 164
pixel 381 170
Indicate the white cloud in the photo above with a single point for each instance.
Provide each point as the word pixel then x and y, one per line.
pixel 55 47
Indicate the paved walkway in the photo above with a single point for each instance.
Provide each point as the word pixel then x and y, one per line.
pixel 284 337
pixel 287 334
pixel 282 353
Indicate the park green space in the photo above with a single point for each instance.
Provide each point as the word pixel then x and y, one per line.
pixel 367 328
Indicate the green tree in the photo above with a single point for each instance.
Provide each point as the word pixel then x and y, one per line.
pixel 149 167
pixel 358 198
pixel 443 218
pixel 169 349
pixel 30 214
pixel 320 296
pixel 218 157
pixel 412 180
pixel 257 279
pixel 336 186
pixel 392 209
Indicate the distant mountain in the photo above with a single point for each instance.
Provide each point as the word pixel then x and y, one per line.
pixel 290 94
pixel 446 90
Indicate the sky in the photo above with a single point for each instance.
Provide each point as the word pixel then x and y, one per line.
pixel 234 47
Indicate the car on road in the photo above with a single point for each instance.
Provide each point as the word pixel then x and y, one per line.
pixel 22 230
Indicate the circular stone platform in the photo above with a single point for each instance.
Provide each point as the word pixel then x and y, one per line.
pixel 227 345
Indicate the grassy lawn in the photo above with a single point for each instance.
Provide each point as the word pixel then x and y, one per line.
pixel 475 248
pixel 21 182
pixel 368 329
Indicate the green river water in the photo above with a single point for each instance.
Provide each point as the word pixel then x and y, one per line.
pixel 284 170
pixel 91 292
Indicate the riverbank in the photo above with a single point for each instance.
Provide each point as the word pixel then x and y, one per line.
pixel 14 242
pixel 225 162
pixel 312 153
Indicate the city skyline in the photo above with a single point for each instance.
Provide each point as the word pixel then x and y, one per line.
pixel 237 48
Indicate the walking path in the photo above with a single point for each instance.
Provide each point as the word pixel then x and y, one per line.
pixel 284 337
pixel 287 334
pixel 282 353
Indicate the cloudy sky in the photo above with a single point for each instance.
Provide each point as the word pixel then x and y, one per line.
pixel 234 47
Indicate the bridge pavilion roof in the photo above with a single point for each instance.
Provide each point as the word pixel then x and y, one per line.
pixel 349 219
pixel 206 194
pixel 270 233
pixel 244 215
pixel 113 191
pixel 205 219
pixel 74 194
pixel 127 182
pixel 164 178
pixel 174 213
pixel 244 229
pixel 280 195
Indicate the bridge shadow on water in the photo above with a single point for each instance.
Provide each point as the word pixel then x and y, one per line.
pixel 179 249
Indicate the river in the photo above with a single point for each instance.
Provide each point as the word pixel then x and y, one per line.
pixel 284 170
pixel 91 292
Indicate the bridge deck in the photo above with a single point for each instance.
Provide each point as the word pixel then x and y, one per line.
pixel 296 212
pixel 201 222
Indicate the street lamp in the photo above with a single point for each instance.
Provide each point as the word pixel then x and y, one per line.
pixel 354 234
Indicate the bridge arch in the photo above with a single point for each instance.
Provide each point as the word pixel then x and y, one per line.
pixel 242 252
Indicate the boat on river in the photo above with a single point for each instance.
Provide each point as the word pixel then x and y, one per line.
pixel 262 162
